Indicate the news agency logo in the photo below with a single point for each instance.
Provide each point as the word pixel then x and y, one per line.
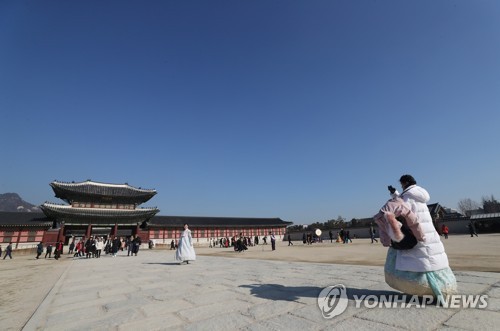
pixel 452 301
pixel 333 300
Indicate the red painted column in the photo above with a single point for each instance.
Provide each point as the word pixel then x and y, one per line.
pixel 19 236
pixel 60 235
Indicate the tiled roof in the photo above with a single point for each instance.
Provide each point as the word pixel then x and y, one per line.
pixel 95 191
pixel 40 220
pixel 484 216
pixel 196 221
pixel 68 213
pixel 24 219
pixel 434 208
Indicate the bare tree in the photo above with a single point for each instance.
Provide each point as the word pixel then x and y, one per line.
pixel 491 205
pixel 466 205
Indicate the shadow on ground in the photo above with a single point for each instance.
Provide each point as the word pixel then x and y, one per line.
pixel 293 293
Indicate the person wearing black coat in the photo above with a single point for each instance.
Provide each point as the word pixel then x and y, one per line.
pixel 8 251
pixel 88 248
pixel 116 245
pixel 137 243
pixel 48 251
pixel 39 250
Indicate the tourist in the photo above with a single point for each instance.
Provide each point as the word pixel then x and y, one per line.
pixel 59 250
pixel 130 246
pixel 331 236
pixel 342 235
pixel 422 269
pixel 115 246
pixel 39 250
pixel 347 237
pixel 93 248
pixel 136 244
pixel 88 248
pixel 472 229
pixel 240 244
pixel 172 245
pixel 78 249
pixel 8 251
pixel 48 250
pixel 444 231
pixel 0 250
pixel 372 233
pixel 273 241
pixel 71 246
pixel 107 246
pixel 185 251
pixel 99 245
pixel 290 243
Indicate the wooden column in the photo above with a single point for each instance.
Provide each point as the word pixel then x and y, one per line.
pixel 18 236
pixel 60 235
pixel 115 230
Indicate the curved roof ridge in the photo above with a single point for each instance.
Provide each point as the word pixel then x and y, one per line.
pixel 62 205
pixel 91 182
pixel 223 217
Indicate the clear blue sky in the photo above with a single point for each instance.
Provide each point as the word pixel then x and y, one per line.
pixel 303 110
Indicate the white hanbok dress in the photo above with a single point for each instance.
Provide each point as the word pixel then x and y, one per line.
pixel 185 251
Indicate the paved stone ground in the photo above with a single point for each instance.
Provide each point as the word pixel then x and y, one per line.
pixel 151 292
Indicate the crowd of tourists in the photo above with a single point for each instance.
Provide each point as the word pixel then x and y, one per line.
pixel 342 236
pixel 91 247
pixel 238 243
pixel 94 246
pixel 56 247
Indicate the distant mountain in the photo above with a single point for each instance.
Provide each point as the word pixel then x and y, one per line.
pixel 12 202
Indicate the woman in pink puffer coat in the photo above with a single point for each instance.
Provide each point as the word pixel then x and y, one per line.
pixel 423 269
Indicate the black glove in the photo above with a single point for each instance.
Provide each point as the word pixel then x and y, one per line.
pixel 391 189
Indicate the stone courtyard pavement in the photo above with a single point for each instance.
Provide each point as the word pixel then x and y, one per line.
pixel 151 292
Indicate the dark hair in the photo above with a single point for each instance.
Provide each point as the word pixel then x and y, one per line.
pixel 186 224
pixel 408 179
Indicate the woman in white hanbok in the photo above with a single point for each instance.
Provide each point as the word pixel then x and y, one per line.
pixel 185 251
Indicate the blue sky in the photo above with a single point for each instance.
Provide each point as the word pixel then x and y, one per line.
pixel 303 110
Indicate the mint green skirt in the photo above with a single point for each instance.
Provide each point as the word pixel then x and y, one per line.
pixel 436 283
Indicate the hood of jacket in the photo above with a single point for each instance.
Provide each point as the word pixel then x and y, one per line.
pixel 416 193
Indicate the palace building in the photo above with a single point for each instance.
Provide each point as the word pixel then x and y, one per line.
pixel 162 229
pixel 99 209
pixel 107 210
